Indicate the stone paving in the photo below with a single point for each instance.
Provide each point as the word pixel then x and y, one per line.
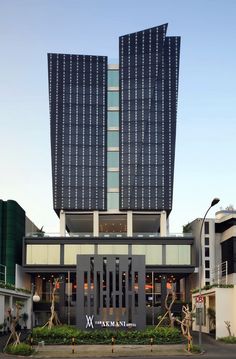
pixel 103 351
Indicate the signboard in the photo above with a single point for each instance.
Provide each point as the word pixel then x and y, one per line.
pixel 199 301
pixel 91 323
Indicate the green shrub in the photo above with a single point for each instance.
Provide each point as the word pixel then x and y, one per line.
pixel 228 340
pixel 63 335
pixel 207 287
pixel 20 349
pixel 194 349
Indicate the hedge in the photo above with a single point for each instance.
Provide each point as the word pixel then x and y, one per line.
pixel 64 334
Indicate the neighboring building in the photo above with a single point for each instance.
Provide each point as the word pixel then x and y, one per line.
pixel 12 231
pixel 218 248
pixel 14 225
pixel 218 245
pixel 113 131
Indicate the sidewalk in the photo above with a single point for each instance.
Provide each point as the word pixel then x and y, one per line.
pixel 102 351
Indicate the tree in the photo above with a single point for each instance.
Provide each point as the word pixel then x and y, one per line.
pixel 168 308
pixel 53 320
pixel 186 324
pixel 14 324
pixel 228 327
pixel 187 228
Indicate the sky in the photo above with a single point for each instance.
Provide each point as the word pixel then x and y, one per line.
pixel 205 165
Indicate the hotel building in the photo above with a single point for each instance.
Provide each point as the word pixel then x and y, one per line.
pixel 113 131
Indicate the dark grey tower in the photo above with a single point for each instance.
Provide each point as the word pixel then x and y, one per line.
pixel 78 113
pixel 149 70
pixel 148 89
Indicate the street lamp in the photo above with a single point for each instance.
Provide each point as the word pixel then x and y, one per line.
pixel 213 203
pixel 35 299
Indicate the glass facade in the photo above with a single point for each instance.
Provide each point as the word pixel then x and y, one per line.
pixel 153 253
pixel 113 99
pixel 113 159
pixel 43 254
pixel 113 180
pixel 113 78
pixel 113 200
pixel 72 250
pixel 113 138
pixel 178 254
pixel 112 249
pixel 113 119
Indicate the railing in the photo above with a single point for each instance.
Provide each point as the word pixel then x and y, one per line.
pixel 219 274
pixel 107 234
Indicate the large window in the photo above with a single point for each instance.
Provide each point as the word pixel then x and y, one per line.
pixel 72 250
pixel 113 200
pixel 178 254
pixel 113 139
pixel 113 179
pixel 113 159
pixel 109 224
pixel 113 119
pixel 153 253
pixel 43 254
pixel 113 78
pixel 113 99
pixel 113 249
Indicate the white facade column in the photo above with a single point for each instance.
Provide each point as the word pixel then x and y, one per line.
pixel 129 224
pixel 163 224
pixel 96 224
pixel 62 223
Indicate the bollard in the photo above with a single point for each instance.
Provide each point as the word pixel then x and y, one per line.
pixel 189 342
pixel 151 342
pixel 31 341
pixel 73 345
pixel 112 344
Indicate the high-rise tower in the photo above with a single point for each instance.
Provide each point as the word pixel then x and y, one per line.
pixel 142 98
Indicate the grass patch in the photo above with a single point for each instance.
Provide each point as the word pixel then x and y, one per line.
pixel 195 349
pixel 228 340
pixel 19 349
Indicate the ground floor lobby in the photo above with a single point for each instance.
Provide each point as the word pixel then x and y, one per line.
pixel 116 303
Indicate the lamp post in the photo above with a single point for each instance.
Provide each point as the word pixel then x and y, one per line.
pixel 35 299
pixel 213 203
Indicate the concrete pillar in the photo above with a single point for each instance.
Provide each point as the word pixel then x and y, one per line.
pixel 96 224
pixel 62 223
pixel 163 293
pixel 129 224
pixel 29 311
pixel 62 309
pixel 187 290
pixel 2 308
pixel 163 224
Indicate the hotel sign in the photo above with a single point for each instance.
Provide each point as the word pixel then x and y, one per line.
pixel 91 323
